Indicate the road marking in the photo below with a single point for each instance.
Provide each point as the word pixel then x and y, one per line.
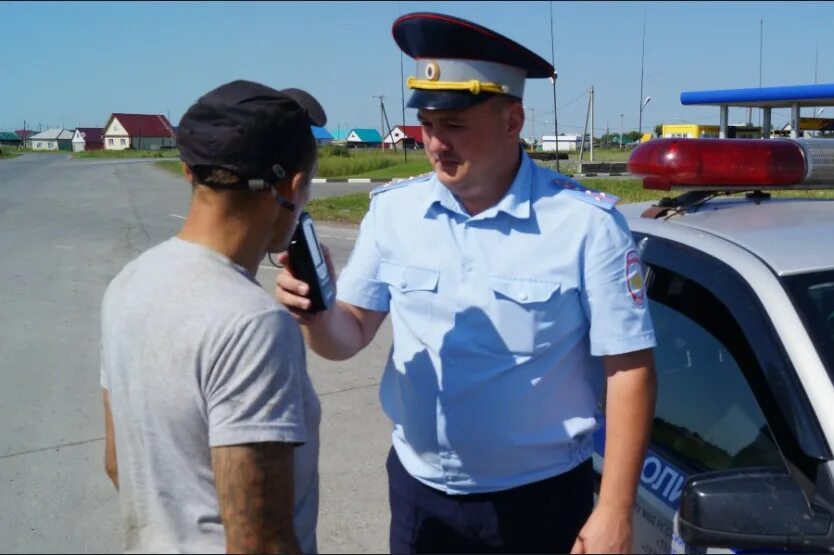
pixel 177 216
pixel 337 237
pixel 66 248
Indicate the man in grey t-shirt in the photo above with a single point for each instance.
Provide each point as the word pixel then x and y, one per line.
pixel 211 419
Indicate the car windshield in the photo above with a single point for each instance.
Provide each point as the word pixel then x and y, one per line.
pixel 813 295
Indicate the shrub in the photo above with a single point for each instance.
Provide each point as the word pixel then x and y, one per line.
pixel 340 151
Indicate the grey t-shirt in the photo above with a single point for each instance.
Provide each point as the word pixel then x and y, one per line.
pixel 195 354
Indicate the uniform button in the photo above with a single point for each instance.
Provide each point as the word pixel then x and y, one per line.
pixel 524 296
pixel 403 284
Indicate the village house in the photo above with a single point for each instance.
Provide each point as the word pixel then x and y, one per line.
pixel 409 135
pixel 88 138
pixel 138 131
pixel 51 139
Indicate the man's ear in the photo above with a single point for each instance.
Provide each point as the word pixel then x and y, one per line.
pixel 292 186
pixel 189 175
pixel 515 119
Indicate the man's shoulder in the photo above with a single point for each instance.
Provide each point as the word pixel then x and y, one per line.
pixel 402 186
pixel 561 187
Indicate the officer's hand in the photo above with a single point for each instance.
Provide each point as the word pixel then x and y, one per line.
pixel 293 293
pixel 607 530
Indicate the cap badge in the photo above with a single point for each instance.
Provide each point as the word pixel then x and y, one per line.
pixel 432 71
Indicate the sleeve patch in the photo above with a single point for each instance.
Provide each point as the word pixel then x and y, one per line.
pixel 635 283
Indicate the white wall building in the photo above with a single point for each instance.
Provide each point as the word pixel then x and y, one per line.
pixel 138 131
pixel 567 143
pixel 51 139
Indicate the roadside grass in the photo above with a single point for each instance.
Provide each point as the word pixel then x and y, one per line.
pixel 173 166
pixel 127 153
pixel 8 153
pixel 357 162
pixel 344 209
pixel 414 167
pixel 349 209
pixel 33 151
pixel 381 167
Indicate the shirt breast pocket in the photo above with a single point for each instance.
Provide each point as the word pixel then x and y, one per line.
pixel 413 291
pixel 525 312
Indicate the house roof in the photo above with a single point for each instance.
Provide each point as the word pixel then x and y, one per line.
pixel 320 133
pixel 52 134
pixel 145 125
pixel 91 134
pixel 412 131
pixel 8 136
pixel 24 133
pixel 340 134
pixel 368 135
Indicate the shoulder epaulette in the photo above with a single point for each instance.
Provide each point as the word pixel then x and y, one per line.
pixel 398 184
pixel 603 200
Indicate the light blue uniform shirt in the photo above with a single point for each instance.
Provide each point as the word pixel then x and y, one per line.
pixel 494 380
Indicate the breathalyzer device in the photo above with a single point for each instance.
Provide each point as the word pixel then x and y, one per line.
pixel 308 264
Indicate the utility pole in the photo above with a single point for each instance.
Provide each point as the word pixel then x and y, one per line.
pixel 761 38
pixel 533 122
pixel 382 123
pixel 621 131
pixel 585 129
pixel 553 82
pixel 402 103
pixel 592 124
pixel 642 59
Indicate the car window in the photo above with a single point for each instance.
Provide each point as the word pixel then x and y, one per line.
pixel 813 294
pixel 706 417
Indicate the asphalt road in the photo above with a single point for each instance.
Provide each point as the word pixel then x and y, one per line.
pixel 67 227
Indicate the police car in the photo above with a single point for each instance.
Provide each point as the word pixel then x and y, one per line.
pixel 740 285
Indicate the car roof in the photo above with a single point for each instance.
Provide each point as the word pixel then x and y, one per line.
pixel 791 235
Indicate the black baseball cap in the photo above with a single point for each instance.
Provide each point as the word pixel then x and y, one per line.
pixel 252 130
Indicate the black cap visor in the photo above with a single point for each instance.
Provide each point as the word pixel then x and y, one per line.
pixel 314 110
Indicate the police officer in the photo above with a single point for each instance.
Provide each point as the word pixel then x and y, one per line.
pixel 516 299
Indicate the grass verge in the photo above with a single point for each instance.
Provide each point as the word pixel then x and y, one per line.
pixel 349 209
pixel 7 154
pixel 127 153
pixel 173 166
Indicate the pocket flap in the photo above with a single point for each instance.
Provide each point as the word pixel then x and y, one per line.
pixel 524 290
pixel 408 278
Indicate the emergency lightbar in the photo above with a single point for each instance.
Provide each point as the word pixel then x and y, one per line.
pixel 734 164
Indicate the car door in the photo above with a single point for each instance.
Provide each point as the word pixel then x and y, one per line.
pixel 715 408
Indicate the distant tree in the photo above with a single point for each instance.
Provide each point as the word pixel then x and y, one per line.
pixel 658 130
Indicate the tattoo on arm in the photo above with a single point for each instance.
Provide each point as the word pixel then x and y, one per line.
pixel 256 496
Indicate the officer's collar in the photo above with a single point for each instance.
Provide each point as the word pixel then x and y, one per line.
pixel 516 201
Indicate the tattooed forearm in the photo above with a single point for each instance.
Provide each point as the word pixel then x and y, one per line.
pixel 255 492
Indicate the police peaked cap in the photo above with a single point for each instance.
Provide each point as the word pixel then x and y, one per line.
pixel 460 63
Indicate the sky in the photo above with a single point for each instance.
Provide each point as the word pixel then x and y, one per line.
pixel 74 63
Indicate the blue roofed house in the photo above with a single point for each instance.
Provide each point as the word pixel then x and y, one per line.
pixel 364 138
pixel 322 135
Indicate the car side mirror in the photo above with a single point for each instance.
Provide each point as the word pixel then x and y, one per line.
pixel 751 508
